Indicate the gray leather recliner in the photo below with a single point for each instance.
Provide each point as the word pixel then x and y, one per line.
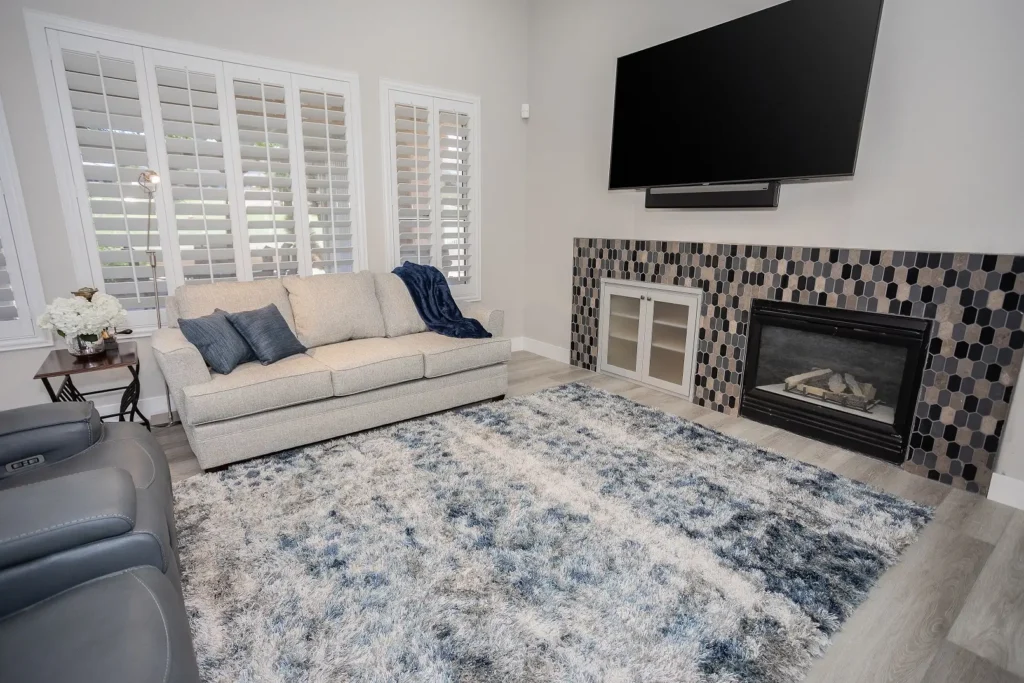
pixel 56 439
pixel 126 627
pixel 89 581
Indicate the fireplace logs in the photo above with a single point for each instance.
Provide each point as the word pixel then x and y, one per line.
pixel 826 385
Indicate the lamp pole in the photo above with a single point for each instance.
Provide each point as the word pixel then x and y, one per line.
pixel 148 180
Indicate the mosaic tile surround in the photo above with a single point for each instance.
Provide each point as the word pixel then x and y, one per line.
pixel 974 358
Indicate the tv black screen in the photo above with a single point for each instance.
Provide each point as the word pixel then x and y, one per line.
pixel 778 94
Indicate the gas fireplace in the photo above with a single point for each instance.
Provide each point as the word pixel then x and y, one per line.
pixel 846 377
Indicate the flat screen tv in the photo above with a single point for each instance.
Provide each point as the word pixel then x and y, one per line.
pixel 775 95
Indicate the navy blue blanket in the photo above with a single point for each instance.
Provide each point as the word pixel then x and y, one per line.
pixel 435 304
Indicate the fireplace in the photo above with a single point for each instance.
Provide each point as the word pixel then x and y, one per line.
pixel 846 377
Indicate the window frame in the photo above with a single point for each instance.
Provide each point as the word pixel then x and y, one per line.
pixel 39 24
pixel 387 114
pixel 32 301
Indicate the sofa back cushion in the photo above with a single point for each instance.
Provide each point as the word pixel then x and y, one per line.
pixel 196 301
pixel 397 307
pixel 334 308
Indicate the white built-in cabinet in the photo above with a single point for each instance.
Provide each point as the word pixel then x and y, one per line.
pixel 649 333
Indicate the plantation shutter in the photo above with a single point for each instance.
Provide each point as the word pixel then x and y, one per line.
pixel 8 302
pixel 433 188
pixel 264 151
pixel 110 138
pixel 413 189
pixel 454 161
pixel 13 321
pixel 259 174
pixel 195 166
pixel 325 166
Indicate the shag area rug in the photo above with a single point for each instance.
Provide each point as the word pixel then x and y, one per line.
pixel 570 535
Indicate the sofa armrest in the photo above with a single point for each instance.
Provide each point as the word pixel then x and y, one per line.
pixel 52 431
pixel 493 319
pixel 52 516
pixel 180 362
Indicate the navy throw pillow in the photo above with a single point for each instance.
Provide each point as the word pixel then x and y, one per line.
pixel 267 333
pixel 218 341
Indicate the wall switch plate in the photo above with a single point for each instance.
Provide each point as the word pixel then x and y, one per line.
pixel 525 112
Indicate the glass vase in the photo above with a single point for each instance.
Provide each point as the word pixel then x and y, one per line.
pixel 81 346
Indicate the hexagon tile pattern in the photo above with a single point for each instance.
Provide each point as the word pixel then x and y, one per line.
pixel 973 361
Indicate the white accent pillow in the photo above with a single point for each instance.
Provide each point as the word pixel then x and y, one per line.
pixel 334 308
pixel 396 305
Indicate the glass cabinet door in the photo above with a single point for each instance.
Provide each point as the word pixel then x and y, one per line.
pixel 622 340
pixel 668 341
pixel 666 354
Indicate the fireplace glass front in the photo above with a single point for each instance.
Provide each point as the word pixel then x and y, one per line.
pixel 846 377
pixel 850 375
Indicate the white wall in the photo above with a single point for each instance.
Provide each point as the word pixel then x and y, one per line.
pixel 462 45
pixel 941 164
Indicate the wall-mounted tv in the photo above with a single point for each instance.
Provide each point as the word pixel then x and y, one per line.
pixel 775 95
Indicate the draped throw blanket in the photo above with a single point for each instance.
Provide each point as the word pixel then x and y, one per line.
pixel 435 304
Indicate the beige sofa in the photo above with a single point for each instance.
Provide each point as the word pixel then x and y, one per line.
pixel 371 361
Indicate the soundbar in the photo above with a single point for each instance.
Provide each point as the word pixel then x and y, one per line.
pixel 739 196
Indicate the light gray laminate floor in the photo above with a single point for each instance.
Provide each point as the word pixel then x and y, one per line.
pixel 952 610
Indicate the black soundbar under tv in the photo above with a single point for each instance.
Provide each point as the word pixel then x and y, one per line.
pixel 740 196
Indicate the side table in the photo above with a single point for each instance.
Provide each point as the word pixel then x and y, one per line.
pixel 61 363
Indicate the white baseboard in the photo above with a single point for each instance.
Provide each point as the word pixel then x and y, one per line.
pixel 150 406
pixel 541 349
pixel 1007 490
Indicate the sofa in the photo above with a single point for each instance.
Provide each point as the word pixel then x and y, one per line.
pixel 89 584
pixel 370 361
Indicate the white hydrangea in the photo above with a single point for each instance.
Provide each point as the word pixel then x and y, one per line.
pixel 77 316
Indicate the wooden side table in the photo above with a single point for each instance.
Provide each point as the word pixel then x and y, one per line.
pixel 61 363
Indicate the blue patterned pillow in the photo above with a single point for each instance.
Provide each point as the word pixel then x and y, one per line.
pixel 218 341
pixel 267 333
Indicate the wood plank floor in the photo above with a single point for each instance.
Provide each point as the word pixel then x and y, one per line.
pixel 952 611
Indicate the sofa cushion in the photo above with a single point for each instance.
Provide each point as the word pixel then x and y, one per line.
pixel 364 364
pixel 194 301
pixel 397 307
pixel 334 308
pixel 446 355
pixel 254 388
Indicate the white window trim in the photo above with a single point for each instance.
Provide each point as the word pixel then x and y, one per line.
pixel 23 248
pixel 37 24
pixel 386 85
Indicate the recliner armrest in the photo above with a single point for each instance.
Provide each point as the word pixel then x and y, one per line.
pixel 37 520
pixel 53 431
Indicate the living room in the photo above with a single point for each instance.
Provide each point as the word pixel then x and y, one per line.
pixel 639 465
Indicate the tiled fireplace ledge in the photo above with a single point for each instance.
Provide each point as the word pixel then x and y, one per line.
pixel 974 360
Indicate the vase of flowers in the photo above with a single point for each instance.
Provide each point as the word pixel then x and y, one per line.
pixel 83 321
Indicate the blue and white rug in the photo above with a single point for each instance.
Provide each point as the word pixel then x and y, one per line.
pixel 570 535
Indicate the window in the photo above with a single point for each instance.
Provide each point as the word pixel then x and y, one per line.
pixel 432 148
pixel 256 167
pixel 21 292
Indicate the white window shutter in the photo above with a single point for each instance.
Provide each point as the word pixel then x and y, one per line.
pixel 434 191
pixel 454 192
pixel 15 318
pixel 412 175
pixel 265 157
pixel 196 166
pixel 260 168
pixel 109 132
pixel 326 179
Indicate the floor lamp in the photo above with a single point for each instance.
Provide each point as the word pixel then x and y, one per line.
pixel 148 180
